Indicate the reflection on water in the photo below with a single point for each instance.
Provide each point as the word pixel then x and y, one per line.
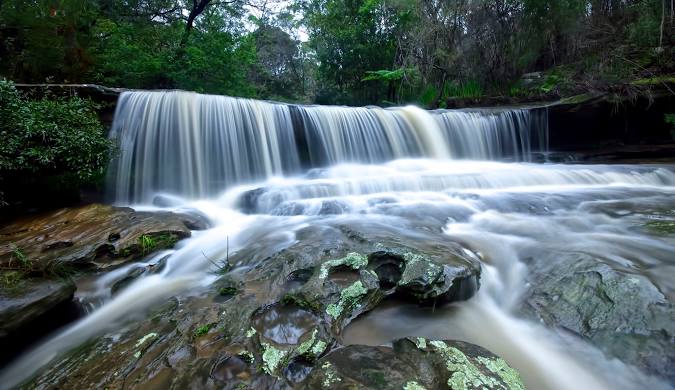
pixel 284 324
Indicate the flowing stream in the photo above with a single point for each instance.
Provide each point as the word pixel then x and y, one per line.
pixel 261 171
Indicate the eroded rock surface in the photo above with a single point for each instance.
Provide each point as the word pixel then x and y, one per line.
pixel 414 364
pixel 40 255
pixel 94 236
pixel 625 315
pixel 274 325
pixel 36 298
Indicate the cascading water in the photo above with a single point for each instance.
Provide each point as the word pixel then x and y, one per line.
pixel 324 166
pixel 197 145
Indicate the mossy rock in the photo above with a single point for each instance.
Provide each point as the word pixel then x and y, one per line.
pixel 414 365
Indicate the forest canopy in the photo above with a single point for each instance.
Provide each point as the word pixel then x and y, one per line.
pixel 341 51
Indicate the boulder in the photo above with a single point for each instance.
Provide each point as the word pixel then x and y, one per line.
pixel 95 236
pixel 623 314
pixel 271 326
pixel 36 298
pixel 414 365
pixel 32 309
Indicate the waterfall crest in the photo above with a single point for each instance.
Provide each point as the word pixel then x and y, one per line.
pixel 197 145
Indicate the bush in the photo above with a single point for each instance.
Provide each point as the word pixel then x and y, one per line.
pixel 52 144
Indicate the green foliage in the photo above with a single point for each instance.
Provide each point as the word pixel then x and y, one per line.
pixel 644 29
pixel 670 119
pixel 385 75
pixel 351 38
pixel 204 329
pixel 138 55
pixel 428 96
pixel 17 254
pixel 468 90
pixel 150 243
pixel 405 51
pixel 11 281
pixel 550 83
pixel 55 138
pixel 20 267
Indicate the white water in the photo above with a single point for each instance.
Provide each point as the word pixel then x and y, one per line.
pixel 197 145
pixel 505 211
pixel 498 209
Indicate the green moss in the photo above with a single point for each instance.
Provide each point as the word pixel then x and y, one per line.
pixel 313 347
pixel 654 80
pixel 145 338
pixel 319 348
pixel 419 268
pixel 421 343
pixel 509 376
pixel 412 385
pixel 349 297
pixel 577 99
pixel 251 332
pixel 353 260
pixel 293 299
pixel 204 329
pixel 247 356
pixel 463 374
pixel 378 378
pixel 272 358
pixel 305 346
pixel 330 375
pixel 225 291
pixel 661 226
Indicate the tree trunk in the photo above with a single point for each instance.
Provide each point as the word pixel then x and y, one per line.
pixel 198 6
pixel 663 20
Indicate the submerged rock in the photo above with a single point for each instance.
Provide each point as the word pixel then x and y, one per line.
pixel 623 314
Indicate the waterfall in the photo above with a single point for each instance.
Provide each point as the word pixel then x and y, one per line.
pixel 197 145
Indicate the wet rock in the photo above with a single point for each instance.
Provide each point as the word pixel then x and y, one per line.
pixel 623 314
pixel 233 371
pixel 94 236
pixel 359 366
pixel 285 310
pixel 195 220
pixel 422 364
pixel 127 279
pixel 333 207
pixel 37 308
pixel 289 209
pixel 36 298
pixel 248 201
pixel 164 200
pixel 284 323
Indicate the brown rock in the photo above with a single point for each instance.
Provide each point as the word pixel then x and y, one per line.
pixel 95 236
